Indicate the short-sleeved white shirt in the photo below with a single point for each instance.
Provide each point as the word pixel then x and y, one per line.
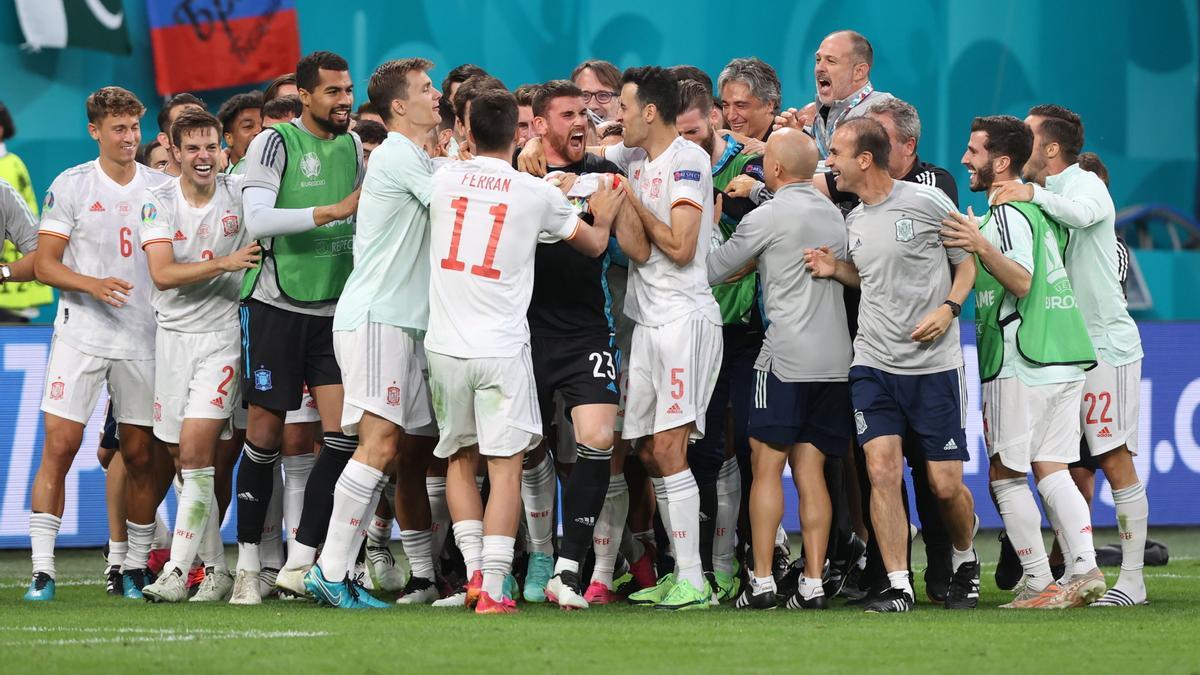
pixel 195 234
pixel 99 218
pixel 485 223
pixel 660 291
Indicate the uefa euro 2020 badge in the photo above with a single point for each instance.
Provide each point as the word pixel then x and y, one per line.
pixel 262 379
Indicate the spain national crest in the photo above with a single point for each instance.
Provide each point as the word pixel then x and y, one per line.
pixel 904 229
pixel 56 390
pixel 393 396
pixel 262 379
pixel 230 225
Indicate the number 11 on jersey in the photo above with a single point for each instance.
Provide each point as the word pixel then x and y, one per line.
pixel 451 261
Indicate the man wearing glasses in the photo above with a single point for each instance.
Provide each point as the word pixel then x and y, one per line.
pixel 600 82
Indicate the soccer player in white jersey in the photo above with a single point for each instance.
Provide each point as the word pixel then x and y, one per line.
pixel 377 331
pixel 104 331
pixel 676 350
pixel 485 221
pixel 193 238
pixel 1079 200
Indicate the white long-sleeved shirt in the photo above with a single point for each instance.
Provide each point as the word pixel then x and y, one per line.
pixel 1080 201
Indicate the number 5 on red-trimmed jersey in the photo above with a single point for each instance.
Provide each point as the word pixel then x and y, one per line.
pixel 451 262
pixel 676 383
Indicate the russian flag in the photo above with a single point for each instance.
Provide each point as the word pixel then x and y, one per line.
pixel 207 44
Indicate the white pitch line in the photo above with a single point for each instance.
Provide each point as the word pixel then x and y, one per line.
pixel 64 582
pixel 139 635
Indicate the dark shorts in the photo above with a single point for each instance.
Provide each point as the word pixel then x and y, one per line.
pixel 932 407
pixel 282 350
pixel 1086 460
pixel 582 369
pixel 786 413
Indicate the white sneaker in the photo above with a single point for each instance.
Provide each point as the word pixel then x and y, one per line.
pixel 383 571
pixel 418 591
pixel 266 582
pixel 458 599
pixel 170 587
pixel 292 581
pixel 245 589
pixel 362 576
pixel 562 594
pixel 215 587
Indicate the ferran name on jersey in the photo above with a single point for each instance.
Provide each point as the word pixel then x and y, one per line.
pixel 262 379
pixel 904 229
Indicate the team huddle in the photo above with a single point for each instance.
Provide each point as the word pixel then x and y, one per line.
pixel 453 304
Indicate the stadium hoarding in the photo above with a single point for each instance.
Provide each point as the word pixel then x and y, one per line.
pixel 1169 440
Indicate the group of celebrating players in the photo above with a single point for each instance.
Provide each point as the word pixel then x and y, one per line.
pixel 657 296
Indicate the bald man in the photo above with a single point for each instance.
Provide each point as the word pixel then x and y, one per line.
pixel 801 412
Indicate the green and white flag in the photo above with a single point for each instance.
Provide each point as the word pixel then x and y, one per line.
pixel 89 24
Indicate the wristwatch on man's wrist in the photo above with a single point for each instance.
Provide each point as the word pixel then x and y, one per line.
pixel 5 273
pixel 955 308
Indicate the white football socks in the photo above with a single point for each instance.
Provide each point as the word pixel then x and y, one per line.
pixel 468 536
pixel 439 511
pixel 1065 502
pixel 496 563
pixel 1133 512
pixel 296 471
pixel 606 537
pixel 356 488
pixel 43 531
pixel 729 503
pixel 270 545
pixel 1023 523
pixel 191 517
pixel 141 538
pixel 418 548
pixel 537 493
pixel 683 503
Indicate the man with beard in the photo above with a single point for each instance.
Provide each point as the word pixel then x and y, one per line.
pixel 1033 348
pixel 715 459
pixel 300 197
pixel 573 347
pixel 1079 200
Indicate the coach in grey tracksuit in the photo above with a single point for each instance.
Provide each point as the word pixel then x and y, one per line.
pixel 801 411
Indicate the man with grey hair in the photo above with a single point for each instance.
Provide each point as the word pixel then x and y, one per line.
pixel 903 126
pixel 750 95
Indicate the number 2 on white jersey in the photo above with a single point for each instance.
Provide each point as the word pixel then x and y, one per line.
pixel 451 262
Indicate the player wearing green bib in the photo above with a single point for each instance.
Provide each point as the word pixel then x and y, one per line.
pixel 300 197
pixel 1109 410
pixel 1033 348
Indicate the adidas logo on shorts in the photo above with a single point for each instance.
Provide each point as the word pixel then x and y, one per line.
pixel 674 409
pixel 247 497
pixel 1104 433
pixel 951 445
pixel 218 401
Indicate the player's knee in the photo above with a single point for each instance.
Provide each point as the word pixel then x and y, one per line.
pixel 885 472
pixel 595 437
pixel 944 486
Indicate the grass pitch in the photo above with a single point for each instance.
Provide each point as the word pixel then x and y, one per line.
pixel 85 631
